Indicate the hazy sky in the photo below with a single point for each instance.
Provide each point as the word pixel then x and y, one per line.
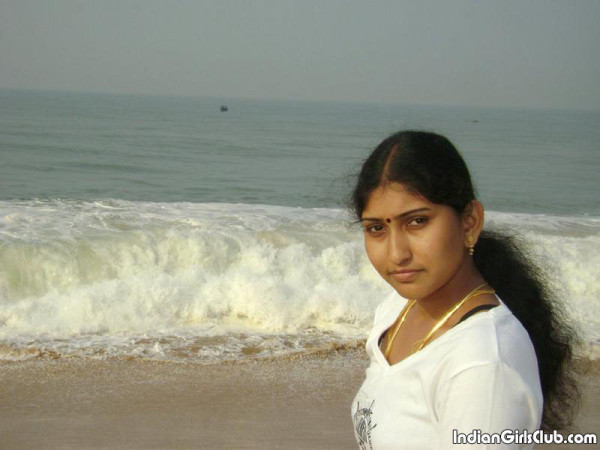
pixel 542 53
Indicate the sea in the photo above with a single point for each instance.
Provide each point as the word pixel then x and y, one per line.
pixel 161 228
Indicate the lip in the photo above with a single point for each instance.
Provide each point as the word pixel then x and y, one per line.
pixel 404 275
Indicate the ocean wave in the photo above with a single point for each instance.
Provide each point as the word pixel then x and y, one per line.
pixel 124 278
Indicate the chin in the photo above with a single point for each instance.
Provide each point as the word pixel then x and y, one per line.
pixel 407 290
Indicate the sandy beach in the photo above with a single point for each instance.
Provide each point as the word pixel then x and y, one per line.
pixel 294 403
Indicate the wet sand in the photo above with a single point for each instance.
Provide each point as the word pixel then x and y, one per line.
pixel 299 403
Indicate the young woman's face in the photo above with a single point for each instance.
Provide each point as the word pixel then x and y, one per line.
pixel 415 245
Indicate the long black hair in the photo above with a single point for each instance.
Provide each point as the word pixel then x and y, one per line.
pixel 429 165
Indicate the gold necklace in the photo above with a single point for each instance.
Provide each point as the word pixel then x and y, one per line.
pixel 399 323
pixel 423 342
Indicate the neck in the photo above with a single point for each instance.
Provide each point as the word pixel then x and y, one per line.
pixel 435 305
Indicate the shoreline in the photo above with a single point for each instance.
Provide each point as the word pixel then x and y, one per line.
pixel 136 404
pixel 287 403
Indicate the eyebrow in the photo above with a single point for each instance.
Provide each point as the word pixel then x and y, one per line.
pixel 399 216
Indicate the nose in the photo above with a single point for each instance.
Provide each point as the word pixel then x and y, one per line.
pixel 398 248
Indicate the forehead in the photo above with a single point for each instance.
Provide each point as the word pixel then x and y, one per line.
pixel 392 199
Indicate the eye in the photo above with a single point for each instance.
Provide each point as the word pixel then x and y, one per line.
pixel 374 228
pixel 418 221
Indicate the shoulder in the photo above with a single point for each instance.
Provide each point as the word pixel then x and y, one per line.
pixel 391 304
pixel 385 314
pixel 488 370
pixel 495 338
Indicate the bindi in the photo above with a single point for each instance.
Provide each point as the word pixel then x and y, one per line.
pixel 388 220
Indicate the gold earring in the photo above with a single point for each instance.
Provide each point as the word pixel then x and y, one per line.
pixel 471 246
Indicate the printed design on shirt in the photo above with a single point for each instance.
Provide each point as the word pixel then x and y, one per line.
pixel 363 424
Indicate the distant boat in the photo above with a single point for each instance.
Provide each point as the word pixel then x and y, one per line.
pixel 475 121
pixel 224 108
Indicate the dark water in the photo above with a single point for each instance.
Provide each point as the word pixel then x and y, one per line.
pixel 167 149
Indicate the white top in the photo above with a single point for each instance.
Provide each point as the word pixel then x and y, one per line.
pixel 481 374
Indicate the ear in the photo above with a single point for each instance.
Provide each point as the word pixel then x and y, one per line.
pixel 472 219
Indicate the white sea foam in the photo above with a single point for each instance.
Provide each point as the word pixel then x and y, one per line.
pixel 214 281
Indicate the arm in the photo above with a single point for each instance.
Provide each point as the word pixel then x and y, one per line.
pixel 490 397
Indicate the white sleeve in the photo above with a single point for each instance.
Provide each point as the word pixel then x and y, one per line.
pixel 389 300
pixel 378 312
pixel 490 398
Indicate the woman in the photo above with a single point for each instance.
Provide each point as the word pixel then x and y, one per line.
pixel 480 344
